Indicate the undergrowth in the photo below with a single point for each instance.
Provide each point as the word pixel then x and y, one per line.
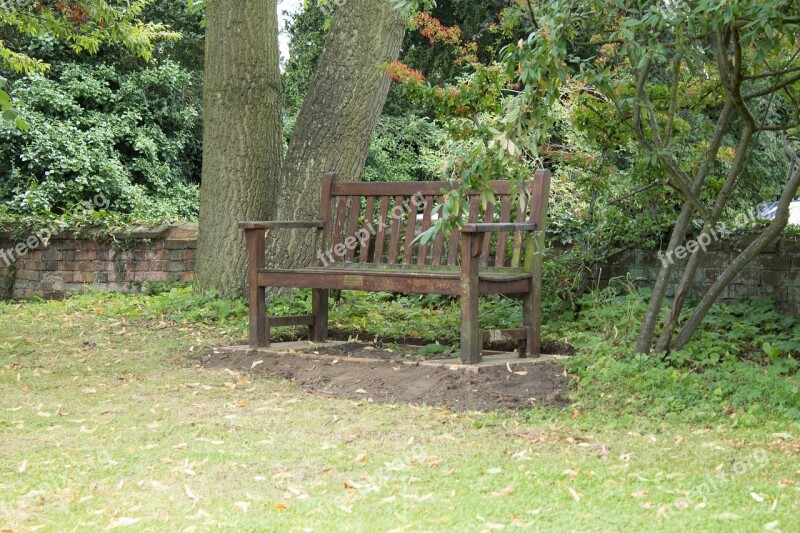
pixel 743 363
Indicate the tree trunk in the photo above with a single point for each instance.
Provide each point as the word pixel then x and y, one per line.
pixel 766 238
pixel 242 140
pixel 338 118
pixel 645 339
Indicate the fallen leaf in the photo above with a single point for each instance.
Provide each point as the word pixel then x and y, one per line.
pixel 256 363
pixel 503 492
pixel 772 525
pixel 280 506
pixel 639 494
pixel 757 497
pixel 361 458
pixel 574 493
pixel 190 494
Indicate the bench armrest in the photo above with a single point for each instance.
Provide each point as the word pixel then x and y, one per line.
pixel 282 224
pixel 503 226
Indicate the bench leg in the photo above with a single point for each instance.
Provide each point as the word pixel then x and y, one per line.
pixel 470 330
pixel 259 323
pixel 319 307
pixel 532 320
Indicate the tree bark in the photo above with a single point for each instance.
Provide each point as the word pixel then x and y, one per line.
pixel 242 139
pixel 337 120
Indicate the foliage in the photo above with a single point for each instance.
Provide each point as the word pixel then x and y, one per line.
pixel 404 149
pixel 685 90
pixel 84 24
pixel 744 359
pixel 131 135
pixel 307 30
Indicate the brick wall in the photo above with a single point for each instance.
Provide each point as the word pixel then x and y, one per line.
pixel 68 264
pixel 776 272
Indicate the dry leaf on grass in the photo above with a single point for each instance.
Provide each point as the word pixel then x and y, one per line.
pixel 503 492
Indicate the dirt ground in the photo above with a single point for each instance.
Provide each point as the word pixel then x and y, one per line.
pixel 389 380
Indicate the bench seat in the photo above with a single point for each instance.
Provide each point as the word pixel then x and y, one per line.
pixel 442 280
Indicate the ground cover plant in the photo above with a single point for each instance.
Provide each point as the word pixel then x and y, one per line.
pixel 108 418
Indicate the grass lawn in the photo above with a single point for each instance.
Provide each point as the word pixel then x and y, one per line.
pixel 107 421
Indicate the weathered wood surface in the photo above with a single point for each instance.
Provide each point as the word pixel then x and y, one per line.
pixel 368 239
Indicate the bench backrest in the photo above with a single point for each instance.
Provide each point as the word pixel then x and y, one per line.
pixel 377 223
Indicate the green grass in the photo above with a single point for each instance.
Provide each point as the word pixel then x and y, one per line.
pixel 105 420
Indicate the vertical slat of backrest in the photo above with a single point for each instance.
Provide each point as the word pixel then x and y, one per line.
pixel 369 226
pixel 396 222
pixel 325 212
pixel 487 237
pixel 380 238
pixel 422 255
pixel 474 211
pixel 540 191
pixel 502 237
pixel 338 227
pixel 452 248
pixel 352 228
pixel 472 216
pixel 516 253
pixel 438 246
pixel 411 226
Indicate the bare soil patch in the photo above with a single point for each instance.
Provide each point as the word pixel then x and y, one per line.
pixel 383 377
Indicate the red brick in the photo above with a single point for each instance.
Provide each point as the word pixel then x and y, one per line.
pixel 153 276
pixel 187 276
pixel 142 266
pixel 189 255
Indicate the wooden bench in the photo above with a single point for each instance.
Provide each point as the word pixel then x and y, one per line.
pixel 365 240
